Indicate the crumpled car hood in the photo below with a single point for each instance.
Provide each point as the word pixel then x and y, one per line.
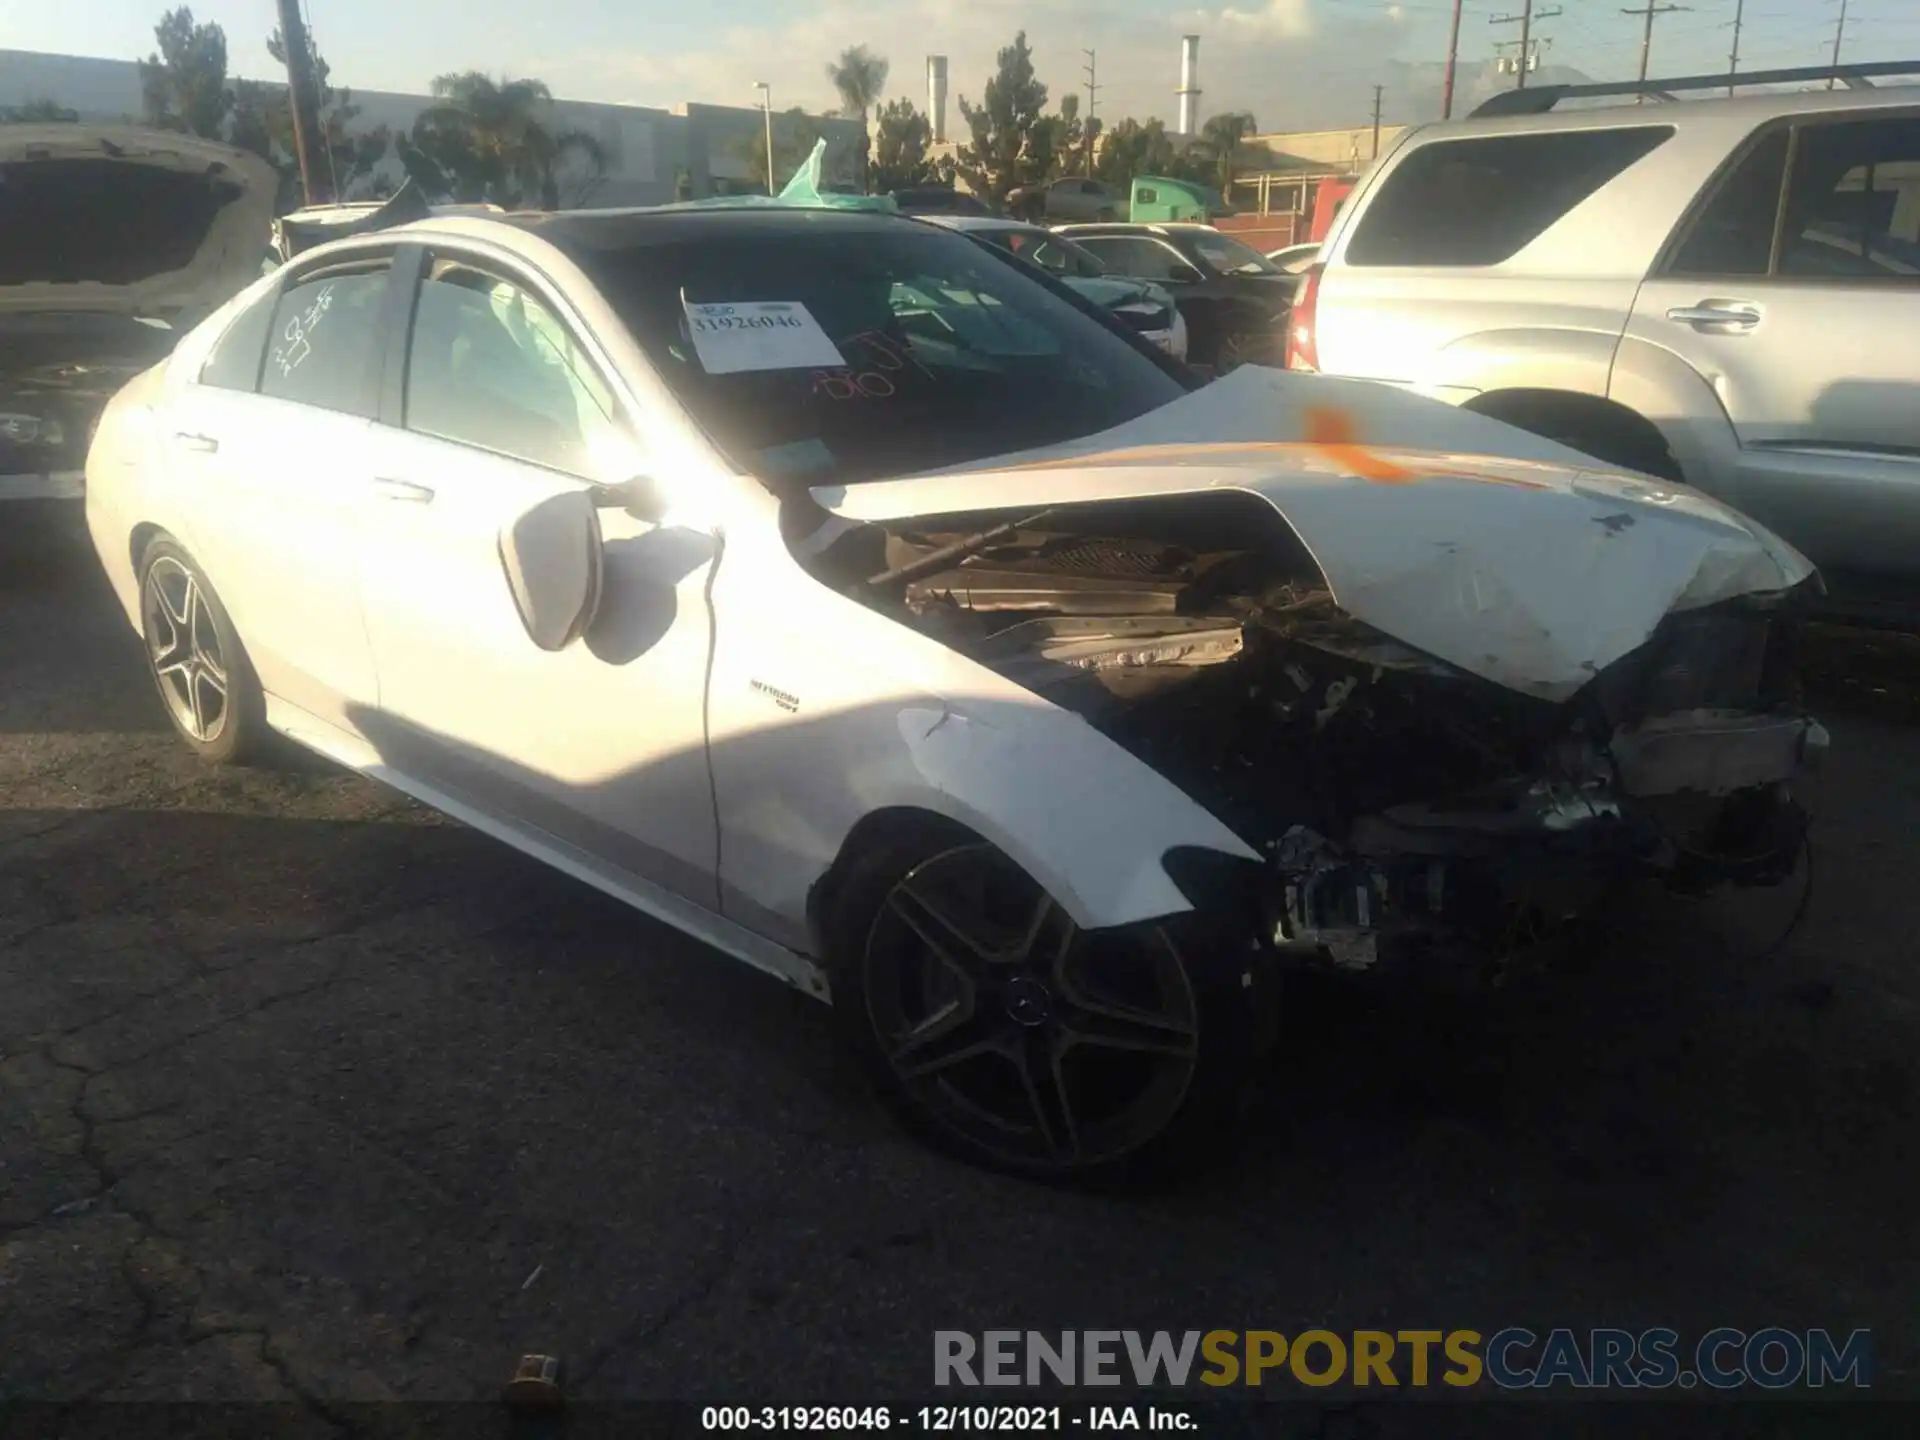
pixel 1506 555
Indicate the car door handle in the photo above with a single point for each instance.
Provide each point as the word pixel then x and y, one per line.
pixel 205 444
pixel 402 490
pixel 1737 315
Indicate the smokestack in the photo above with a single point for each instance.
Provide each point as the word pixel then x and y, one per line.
pixel 1189 91
pixel 937 97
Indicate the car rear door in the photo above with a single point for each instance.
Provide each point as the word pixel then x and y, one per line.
pixel 268 447
pixel 595 754
pixel 1794 291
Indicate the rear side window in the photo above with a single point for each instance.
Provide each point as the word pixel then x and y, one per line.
pixel 234 361
pixel 323 348
pixel 1482 201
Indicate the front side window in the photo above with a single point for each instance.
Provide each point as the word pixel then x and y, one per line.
pixel 1483 201
pixel 827 350
pixel 323 348
pixel 490 365
pixel 1853 205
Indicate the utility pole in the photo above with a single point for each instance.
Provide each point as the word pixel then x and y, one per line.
pixel 1650 10
pixel 1093 104
pixel 766 116
pixel 1839 30
pixel 1376 120
pixel 1733 60
pixel 1526 17
pixel 1453 56
pixel 303 100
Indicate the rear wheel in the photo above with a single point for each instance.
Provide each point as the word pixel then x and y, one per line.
pixel 197 662
pixel 999 1030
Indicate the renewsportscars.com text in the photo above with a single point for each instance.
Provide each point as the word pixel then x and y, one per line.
pixel 1514 1358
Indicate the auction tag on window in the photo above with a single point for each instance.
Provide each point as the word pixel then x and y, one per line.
pixel 759 335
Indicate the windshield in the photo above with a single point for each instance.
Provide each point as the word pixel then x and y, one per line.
pixel 1233 257
pixel 843 354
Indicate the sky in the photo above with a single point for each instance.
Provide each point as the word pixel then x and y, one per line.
pixel 1294 63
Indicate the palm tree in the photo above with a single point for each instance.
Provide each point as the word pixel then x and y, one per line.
pixel 861 77
pixel 1220 137
pixel 488 139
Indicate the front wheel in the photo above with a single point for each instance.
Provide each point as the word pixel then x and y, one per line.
pixel 1000 1031
pixel 198 665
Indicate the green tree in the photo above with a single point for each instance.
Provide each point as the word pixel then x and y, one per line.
pixel 1132 149
pixel 262 121
pixel 860 77
pixel 37 112
pixel 183 85
pixel 900 148
pixel 1003 154
pixel 488 140
pixel 1220 140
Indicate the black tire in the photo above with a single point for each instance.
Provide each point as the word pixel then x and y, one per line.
pixel 199 667
pixel 1123 1122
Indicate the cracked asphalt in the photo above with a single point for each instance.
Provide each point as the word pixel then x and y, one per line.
pixel 307 1095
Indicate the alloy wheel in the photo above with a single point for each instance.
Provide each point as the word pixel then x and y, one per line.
pixel 183 646
pixel 1047 1047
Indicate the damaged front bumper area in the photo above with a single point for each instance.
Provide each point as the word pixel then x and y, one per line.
pixel 1676 766
pixel 1399 801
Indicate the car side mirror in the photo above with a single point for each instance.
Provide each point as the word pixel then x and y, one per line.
pixel 1185 274
pixel 640 497
pixel 552 558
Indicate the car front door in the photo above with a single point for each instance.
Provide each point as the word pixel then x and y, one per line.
pixel 594 754
pixel 270 443
pixel 1795 292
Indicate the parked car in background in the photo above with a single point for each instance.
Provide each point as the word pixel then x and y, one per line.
pixel 1721 291
pixel 113 240
pixel 1140 305
pixel 938 200
pixel 1235 299
pixel 1071 197
pixel 846 597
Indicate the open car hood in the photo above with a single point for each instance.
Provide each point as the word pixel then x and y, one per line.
pixel 1498 552
pixel 123 219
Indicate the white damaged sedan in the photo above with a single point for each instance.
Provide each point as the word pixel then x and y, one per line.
pixel 849 597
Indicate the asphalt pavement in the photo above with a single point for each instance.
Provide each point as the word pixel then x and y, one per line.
pixel 309 1095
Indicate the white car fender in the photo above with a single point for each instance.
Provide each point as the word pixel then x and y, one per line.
pixel 832 712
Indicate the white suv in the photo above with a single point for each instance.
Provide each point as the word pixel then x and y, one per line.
pixel 1722 291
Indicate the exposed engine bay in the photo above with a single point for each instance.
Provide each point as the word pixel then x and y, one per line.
pixel 1398 797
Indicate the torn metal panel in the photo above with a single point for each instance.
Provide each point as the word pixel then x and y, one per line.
pixel 1500 553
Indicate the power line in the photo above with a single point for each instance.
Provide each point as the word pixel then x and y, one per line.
pixel 1525 18
pixel 1733 59
pixel 1650 10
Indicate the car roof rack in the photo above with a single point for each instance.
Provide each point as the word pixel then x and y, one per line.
pixel 1542 98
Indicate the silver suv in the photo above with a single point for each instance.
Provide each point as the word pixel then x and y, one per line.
pixel 1722 291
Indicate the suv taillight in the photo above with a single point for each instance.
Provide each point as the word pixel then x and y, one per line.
pixel 1303 351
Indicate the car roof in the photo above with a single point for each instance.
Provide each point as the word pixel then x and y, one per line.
pixel 1619 111
pixel 639 227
